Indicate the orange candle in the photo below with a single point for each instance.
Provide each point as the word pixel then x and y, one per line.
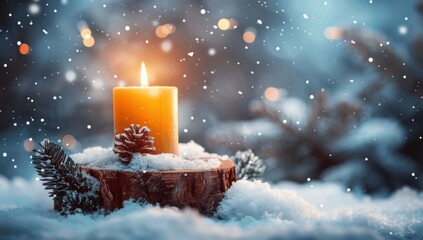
pixel 154 107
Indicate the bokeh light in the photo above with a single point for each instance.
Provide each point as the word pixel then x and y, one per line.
pixel 24 49
pixel 227 24
pixel 166 45
pixel 162 31
pixel 272 94
pixel 224 24
pixel 70 76
pixel 86 33
pixel 34 8
pixel 29 145
pixel 333 33
pixel 249 36
pixel 69 141
pixel 168 28
pixel 89 42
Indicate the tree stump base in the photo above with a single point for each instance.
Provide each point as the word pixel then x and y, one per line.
pixel 197 189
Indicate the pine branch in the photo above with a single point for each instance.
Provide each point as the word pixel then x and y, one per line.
pixel 372 45
pixel 72 189
pixel 248 166
pixel 341 117
pixel 271 113
pixel 317 111
pixel 316 143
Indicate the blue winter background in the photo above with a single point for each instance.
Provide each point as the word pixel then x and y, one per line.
pixel 329 95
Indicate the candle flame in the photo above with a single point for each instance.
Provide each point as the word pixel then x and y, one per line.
pixel 144 79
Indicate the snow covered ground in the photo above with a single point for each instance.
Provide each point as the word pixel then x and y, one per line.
pixel 250 210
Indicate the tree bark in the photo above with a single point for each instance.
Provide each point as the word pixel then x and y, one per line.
pixel 198 189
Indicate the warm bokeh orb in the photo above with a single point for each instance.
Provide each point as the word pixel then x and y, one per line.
pixel 272 94
pixel 89 42
pixel 29 145
pixel 164 30
pixel 249 37
pixel 69 141
pixel 333 33
pixel 160 32
pixel 24 49
pixel 86 33
pixel 224 24
pixel 168 28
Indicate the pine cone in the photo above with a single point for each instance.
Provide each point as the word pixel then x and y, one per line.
pixel 136 139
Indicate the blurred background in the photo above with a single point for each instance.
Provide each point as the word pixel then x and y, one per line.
pixel 319 89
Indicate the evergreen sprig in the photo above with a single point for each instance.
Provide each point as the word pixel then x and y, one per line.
pixel 248 166
pixel 72 189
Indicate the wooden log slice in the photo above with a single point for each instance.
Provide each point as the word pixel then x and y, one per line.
pixel 198 189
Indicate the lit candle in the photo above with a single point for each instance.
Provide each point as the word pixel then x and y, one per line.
pixel 155 107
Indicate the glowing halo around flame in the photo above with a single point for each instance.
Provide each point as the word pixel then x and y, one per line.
pixel 144 78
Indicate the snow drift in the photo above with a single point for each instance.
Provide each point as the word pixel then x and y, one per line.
pixel 250 210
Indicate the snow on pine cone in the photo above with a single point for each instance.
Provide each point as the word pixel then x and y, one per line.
pixel 135 139
pixel 248 166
